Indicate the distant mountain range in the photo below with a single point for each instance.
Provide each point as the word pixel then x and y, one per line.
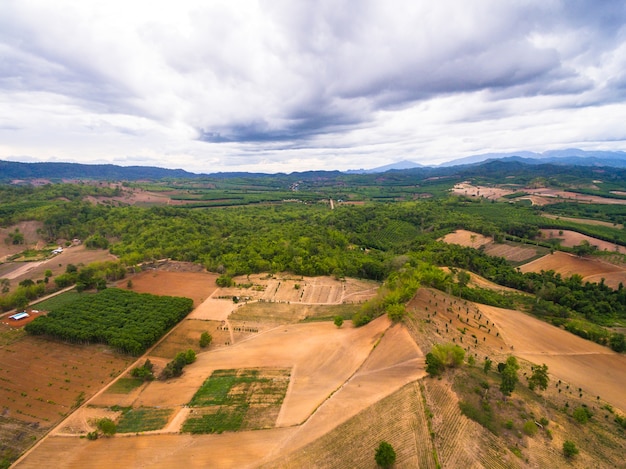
pixel 11 171
pixel 572 156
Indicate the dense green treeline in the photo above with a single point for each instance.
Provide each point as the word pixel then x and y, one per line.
pixel 127 321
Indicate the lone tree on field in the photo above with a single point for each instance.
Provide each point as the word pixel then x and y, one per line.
pixel 539 378
pixel 385 455
pixel 338 321
pixel 205 339
pixel 509 376
pixel 569 449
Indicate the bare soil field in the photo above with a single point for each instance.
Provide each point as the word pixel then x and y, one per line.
pixel 597 370
pixel 467 239
pixel 31 237
pixel 41 381
pixel 559 195
pixel 480 191
pixel 186 336
pixel 287 288
pixel 510 252
pixel 591 269
pixel 76 255
pixel 572 238
pixel 195 285
pixel 514 253
pixel 335 373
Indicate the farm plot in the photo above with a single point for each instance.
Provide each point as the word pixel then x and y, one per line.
pixel 572 238
pixel 187 336
pixel 306 290
pixel 195 285
pixel 513 252
pixel 596 369
pixel 143 419
pixel 41 381
pixel 233 400
pixel 467 239
pixel 568 264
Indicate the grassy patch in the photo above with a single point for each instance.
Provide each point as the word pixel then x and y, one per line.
pixel 125 385
pixel 232 400
pixel 143 419
pixel 60 301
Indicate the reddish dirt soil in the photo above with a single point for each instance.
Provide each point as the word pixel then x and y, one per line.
pixel 195 285
pixel 596 369
pixel 572 238
pixel 336 372
pixel 590 269
pixel 41 379
pixel 467 239
pixel 476 240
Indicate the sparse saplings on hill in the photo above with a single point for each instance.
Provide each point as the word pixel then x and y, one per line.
pixel 443 356
pixel 385 455
pixel 539 377
pixel 509 376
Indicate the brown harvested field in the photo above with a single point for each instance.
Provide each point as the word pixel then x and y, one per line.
pixel 480 191
pixel 335 374
pixel 511 252
pixel 558 196
pixel 572 238
pixel 467 239
pixel 195 285
pixel 597 370
pixel 590 269
pixel 186 336
pixel 41 381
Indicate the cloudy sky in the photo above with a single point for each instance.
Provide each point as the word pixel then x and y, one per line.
pixel 290 85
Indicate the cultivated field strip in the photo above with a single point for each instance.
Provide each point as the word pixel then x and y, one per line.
pixel 459 441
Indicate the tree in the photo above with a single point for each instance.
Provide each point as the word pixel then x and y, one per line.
pixel 396 312
pixel 539 378
pixel 569 449
pixel 205 339
pixel 434 365
pixel 338 321
pixel 385 455
pixel 509 376
pixel 487 365
pixel 463 278
pixel 107 426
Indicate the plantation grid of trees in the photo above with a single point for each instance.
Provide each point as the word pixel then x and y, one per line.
pixel 125 320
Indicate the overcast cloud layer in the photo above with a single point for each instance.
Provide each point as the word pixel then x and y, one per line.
pixel 288 85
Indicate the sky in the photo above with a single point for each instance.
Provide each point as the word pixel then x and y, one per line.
pixel 293 85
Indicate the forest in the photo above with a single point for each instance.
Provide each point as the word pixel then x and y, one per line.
pixel 391 227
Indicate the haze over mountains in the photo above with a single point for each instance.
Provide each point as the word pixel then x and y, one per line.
pixel 10 170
